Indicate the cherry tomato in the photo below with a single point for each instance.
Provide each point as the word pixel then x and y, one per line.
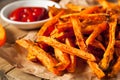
pixel 28 14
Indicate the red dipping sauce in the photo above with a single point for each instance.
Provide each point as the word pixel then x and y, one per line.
pixel 28 14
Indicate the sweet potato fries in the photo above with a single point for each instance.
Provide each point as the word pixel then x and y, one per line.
pixel 90 33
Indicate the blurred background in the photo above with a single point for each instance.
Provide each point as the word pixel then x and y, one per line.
pixel 4 2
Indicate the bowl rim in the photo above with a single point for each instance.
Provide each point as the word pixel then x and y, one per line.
pixel 23 23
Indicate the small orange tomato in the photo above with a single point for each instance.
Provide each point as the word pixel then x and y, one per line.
pixel 2 35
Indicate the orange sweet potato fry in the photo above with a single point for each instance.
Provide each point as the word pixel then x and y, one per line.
pixel 115 68
pixel 90 10
pixel 98 44
pixel 100 28
pixel 63 59
pixel 95 68
pixel 108 55
pixel 48 24
pixel 72 65
pixel 78 32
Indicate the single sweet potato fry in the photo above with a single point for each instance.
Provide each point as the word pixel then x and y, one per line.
pixel 72 65
pixel 63 59
pixel 78 32
pixel 98 29
pixel 108 55
pixel 115 68
pixel 95 68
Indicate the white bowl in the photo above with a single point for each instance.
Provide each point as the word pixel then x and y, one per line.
pixel 5 11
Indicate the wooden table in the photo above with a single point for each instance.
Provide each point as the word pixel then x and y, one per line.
pixel 8 72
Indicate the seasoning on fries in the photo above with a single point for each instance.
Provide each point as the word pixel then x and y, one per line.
pixel 81 44
pixel 63 59
pixel 89 33
pixel 45 58
pixel 71 67
pixel 67 49
pixel 108 55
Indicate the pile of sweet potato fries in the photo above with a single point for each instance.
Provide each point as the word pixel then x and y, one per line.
pixel 90 33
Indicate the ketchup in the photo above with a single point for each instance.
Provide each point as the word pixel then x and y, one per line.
pixel 28 14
